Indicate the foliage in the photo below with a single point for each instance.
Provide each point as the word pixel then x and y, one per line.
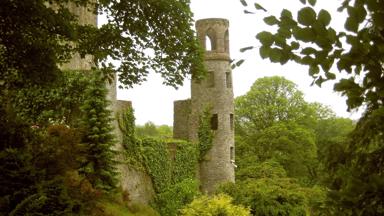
pixel 310 40
pixel 217 205
pixel 126 123
pixel 172 168
pixel 274 121
pixel 149 129
pixel 356 169
pixel 127 36
pixel 357 50
pixel 157 162
pixel 36 176
pixel 205 133
pixel 56 102
pixel 100 161
pixel 177 196
pixel 114 205
pixel 270 100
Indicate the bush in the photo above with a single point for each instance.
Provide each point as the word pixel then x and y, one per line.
pixel 267 196
pixel 169 202
pixel 219 205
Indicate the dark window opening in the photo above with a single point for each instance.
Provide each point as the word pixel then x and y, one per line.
pixel 231 120
pixel 214 122
pixel 210 79
pixel 228 79
pixel 232 153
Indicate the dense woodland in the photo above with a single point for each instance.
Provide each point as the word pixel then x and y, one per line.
pixel 293 157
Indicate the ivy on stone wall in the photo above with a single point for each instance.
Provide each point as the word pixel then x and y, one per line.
pixel 156 160
pixel 185 160
pixel 126 123
pixel 56 102
pixel 205 133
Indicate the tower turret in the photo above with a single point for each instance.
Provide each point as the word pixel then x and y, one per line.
pixel 215 92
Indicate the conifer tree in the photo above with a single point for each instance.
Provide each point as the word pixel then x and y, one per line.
pixel 100 163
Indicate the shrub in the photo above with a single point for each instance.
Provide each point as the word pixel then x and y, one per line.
pixel 219 205
pixel 169 202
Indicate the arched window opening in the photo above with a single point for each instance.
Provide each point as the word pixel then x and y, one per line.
pixel 210 40
pixel 208 43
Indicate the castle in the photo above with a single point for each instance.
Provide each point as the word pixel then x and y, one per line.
pixel 214 92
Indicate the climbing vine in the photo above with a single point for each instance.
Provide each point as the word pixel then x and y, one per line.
pixel 205 133
pixel 171 164
pixel 56 102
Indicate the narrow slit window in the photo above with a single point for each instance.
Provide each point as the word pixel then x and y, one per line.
pixel 214 122
pixel 210 79
pixel 231 121
pixel 228 79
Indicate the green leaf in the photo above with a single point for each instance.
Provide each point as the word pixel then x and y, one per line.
pixel 244 3
pixel 324 17
pixel 264 51
pixel 286 13
pixel 307 60
pixel 306 16
pixel 240 62
pixel 330 76
pixel 266 38
pixel 284 32
pixel 308 51
pixel 271 20
pixel 259 7
pixel 304 34
pixel 312 2
pixel 313 70
pixel 248 12
pixel 295 45
pixel 351 24
pixel 275 55
pixel 303 1
pixel 246 48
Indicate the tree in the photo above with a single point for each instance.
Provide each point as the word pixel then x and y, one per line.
pixel 274 122
pixel 149 129
pixel 267 190
pixel 142 35
pixel 358 50
pixel 35 46
pixel 270 100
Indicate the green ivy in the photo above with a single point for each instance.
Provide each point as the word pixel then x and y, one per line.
pixel 205 134
pixel 185 161
pixel 156 160
pixel 57 102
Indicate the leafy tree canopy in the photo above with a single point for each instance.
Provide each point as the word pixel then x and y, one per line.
pixel 308 39
pixel 142 35
pixel 270 100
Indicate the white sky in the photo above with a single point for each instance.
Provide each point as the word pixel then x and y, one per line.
pixel 153 101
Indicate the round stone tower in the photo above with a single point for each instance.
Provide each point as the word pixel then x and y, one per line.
pixel 215 92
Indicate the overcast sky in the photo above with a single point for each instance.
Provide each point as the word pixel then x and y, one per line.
pixel 153 101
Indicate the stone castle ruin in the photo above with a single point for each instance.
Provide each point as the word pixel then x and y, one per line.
pixel 214 92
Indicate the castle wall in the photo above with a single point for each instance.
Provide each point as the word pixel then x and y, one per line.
pixel 85 17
